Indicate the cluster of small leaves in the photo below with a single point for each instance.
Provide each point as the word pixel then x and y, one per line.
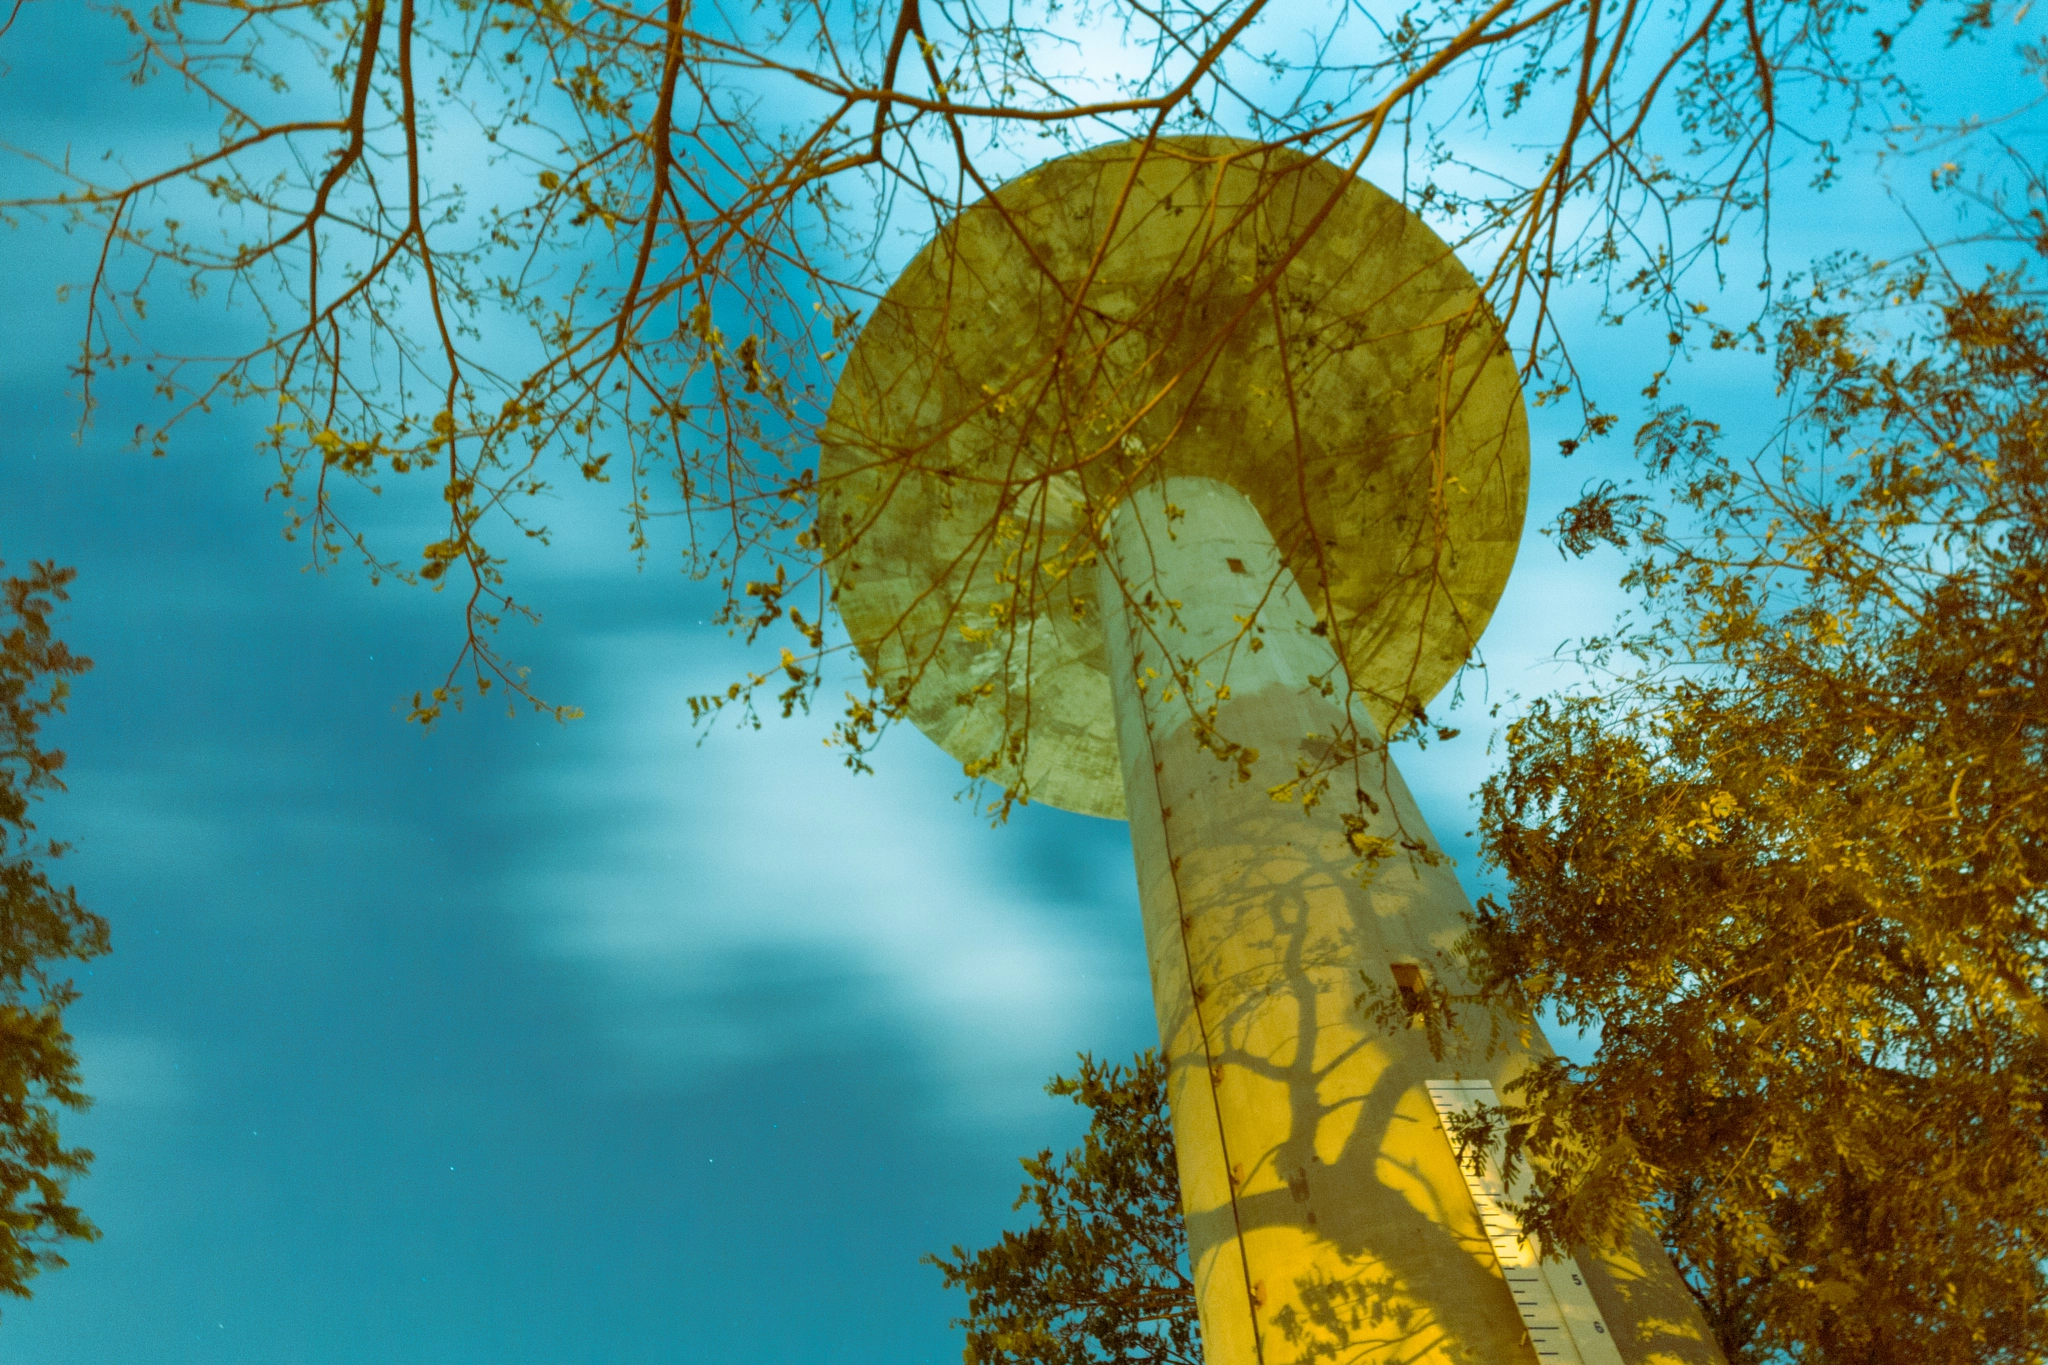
pixel 1101 1274
pixel 1793 861
pixel 41 925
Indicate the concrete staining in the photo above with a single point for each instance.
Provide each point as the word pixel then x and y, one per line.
pixel 1162 484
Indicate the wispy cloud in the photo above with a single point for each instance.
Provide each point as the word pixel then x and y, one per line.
pixel 131 1071
pixel 751 898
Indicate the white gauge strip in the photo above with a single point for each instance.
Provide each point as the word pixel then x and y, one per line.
pixel 1563 1322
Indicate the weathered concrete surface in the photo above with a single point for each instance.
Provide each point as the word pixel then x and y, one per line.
pixel 1326 1217
pixel 1210 309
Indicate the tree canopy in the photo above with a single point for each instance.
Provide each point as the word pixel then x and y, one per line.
pixel 42 925
pixel 1790 859
pixel 1101 1274
pixel 480 253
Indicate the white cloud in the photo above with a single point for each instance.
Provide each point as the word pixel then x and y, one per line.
pixel 750 898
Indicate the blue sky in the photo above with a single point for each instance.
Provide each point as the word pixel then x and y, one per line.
pixel 517 1041
pixel 522 1042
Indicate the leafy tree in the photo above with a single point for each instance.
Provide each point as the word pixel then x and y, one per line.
pixel 1791 860
pixel 1101 1276
pixel 41 925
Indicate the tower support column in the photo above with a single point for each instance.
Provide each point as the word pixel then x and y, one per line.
pixel 1327 1217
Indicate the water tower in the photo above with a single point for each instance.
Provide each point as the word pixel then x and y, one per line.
pixel 1162 484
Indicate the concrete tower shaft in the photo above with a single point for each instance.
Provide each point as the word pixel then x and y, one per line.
pixel 1327 1216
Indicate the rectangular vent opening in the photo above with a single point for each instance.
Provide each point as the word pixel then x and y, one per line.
pixel 1408 981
